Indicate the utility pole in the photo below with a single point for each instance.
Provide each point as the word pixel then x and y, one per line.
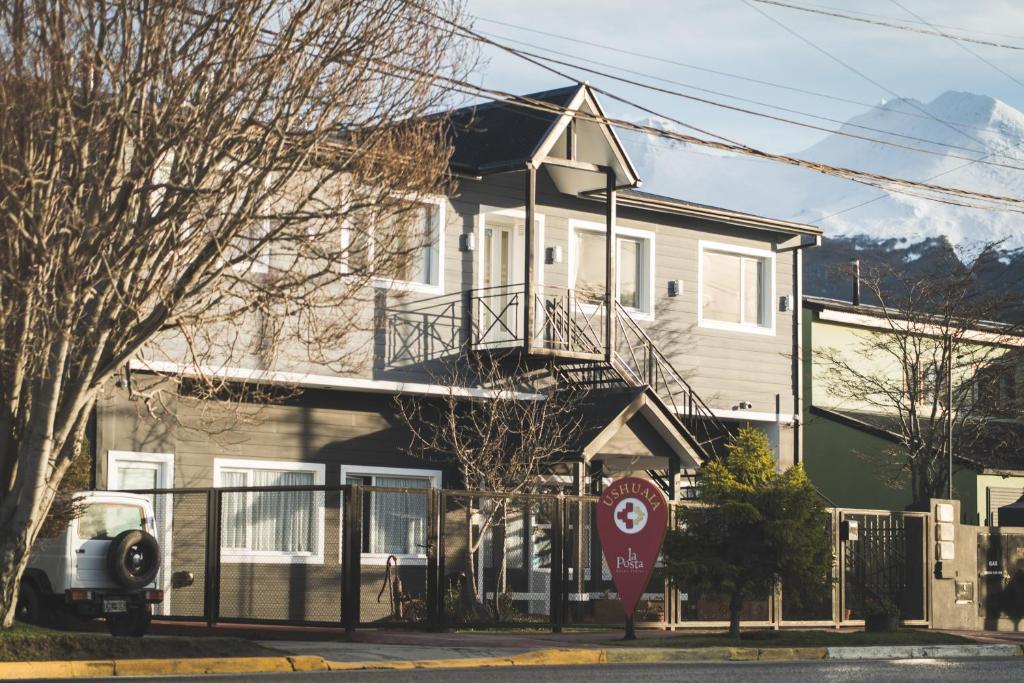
pixel 949 410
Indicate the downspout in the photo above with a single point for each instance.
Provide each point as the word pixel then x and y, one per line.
pixel 798 358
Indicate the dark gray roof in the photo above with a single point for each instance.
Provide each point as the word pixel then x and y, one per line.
pixel 502 135
pixel 818 303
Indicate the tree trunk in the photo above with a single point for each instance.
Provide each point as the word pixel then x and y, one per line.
pixel 14 544
pixel 469 595
pixel 735 609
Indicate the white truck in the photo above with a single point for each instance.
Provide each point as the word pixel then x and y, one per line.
pixel 104 564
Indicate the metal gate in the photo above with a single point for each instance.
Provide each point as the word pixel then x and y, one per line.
pixel 885 567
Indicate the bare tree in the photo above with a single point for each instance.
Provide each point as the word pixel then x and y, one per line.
pixel 213 184
pixel 503 441
pixel 930 373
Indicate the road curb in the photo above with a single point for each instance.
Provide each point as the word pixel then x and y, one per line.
pixel 159 667
pixel 925 651
pixel 552 657
pixel 640 655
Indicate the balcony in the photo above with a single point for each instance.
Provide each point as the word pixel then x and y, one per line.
pixel 564 326
pixel 495 318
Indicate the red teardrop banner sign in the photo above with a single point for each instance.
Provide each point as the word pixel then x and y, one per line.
pixel 632 515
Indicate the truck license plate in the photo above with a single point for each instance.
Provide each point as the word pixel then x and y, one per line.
pixel 115 606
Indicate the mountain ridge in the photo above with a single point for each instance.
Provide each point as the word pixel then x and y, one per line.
pixel 874 225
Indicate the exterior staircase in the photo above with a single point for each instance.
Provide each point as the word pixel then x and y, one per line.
pixel 637 362
pixel 569 330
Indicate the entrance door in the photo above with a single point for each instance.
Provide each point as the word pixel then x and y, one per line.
pixel 128 471
pixel 499 306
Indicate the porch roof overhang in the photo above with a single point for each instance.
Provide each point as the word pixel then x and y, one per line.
pixel 613 414
pixel 571 139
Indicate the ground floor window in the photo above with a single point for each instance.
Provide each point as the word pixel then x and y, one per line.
pixel 270 526
pixel 394 522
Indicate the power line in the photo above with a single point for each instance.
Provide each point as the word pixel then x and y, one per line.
pixel 738 98
pixel 853 69
pixel 874 179
pixel 716 72
pixel 887 24
pixel 773 117
pixel 911 21
pixel 937 175
pixel 940 193
pixel 959 42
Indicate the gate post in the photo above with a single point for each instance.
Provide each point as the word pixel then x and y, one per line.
pixel 351 549
pixel 435 596
pixel 211 584
pixel 557 566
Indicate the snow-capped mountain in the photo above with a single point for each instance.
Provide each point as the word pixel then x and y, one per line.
pixel 956 128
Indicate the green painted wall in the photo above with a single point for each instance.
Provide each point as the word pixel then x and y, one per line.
pixel 846 464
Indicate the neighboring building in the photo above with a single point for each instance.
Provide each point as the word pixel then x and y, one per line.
pixel 849 448
pixel 704 337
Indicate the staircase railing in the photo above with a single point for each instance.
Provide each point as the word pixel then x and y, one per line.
pixel 567 323
pixel 642 363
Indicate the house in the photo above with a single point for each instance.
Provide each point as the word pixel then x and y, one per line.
pixel 698 335
pixel 852 444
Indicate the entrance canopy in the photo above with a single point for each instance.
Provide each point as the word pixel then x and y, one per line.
pixel 564 130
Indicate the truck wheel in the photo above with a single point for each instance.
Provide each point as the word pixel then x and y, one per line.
pixel 30 607
pixel 133 558
pixel 133 624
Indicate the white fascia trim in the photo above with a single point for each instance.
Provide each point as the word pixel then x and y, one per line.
pixel 752 415
pixel 620 231
pixel 875 322
pixel 312 381
pixel 766 254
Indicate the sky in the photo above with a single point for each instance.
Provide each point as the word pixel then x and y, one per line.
pixel 734 36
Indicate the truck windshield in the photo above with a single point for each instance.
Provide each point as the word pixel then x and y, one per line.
pixel 107 520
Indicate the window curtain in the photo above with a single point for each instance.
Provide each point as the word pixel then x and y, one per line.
pixel 282 521
pixel 234 515
pixel 399 519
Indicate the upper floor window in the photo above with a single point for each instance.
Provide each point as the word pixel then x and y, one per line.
pixel 412 243
pixel 736 288
pixel 251 243
pixel 995 390
pixel 634 266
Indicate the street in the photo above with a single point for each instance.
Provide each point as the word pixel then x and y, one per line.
pixel 923 670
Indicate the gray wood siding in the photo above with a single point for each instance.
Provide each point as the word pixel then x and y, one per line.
pixel 725 367
pixel 332 428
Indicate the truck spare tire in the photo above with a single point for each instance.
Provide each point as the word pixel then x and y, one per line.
pixel 133 558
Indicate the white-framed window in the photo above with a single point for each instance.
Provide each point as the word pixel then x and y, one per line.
pixel 284 527
pixel 634 288
pixel 423 241
pixel 246 242
pixel 736 287
pixel 394 523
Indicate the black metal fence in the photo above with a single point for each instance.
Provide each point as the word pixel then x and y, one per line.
pixel 357 555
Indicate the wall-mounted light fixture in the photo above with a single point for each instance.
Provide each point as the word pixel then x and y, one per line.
pixel 553 255
pixel 675 287
pixel 785 303
pixel 467 241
